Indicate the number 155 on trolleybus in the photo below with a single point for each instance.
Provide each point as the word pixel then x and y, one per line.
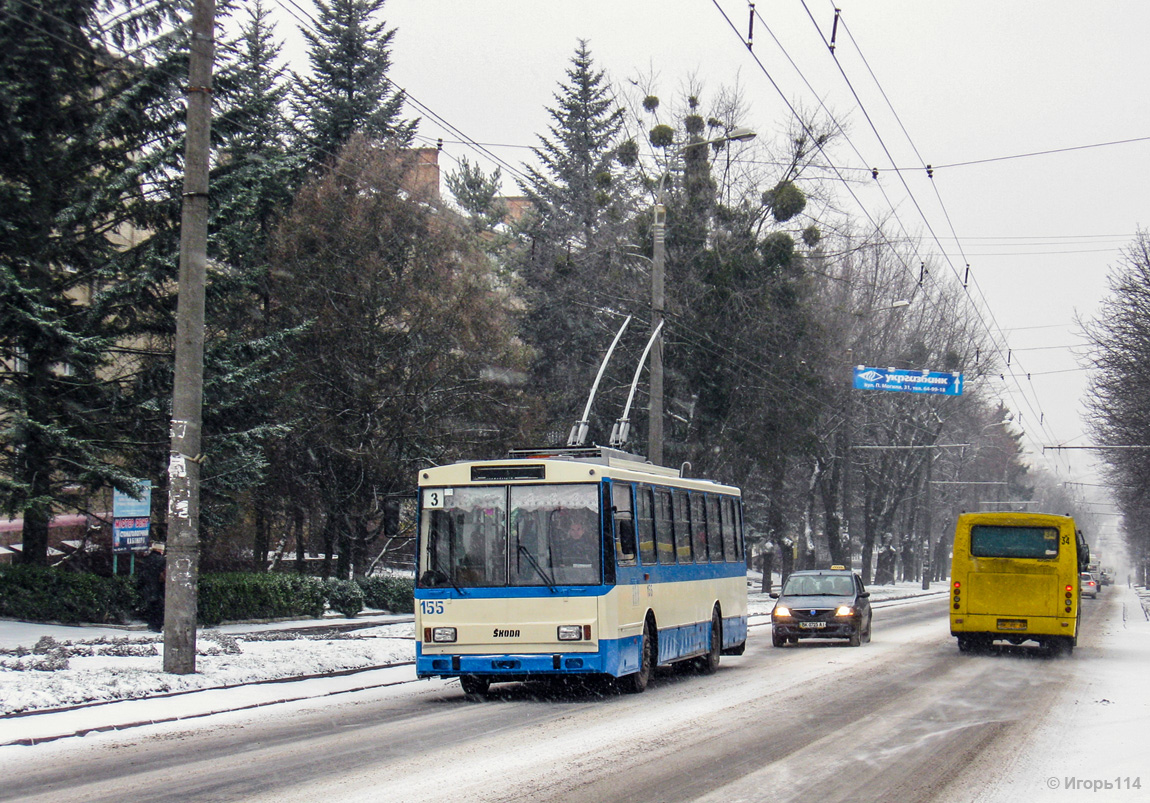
pixel 575 561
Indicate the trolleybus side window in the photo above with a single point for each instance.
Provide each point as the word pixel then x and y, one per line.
pixel 699 527
pixel 742 531
pixel 664 535
pixel 682 525
pixel 464 539
pixel 714 529
pixel 644 516
pixel 624 523
pixel 730 539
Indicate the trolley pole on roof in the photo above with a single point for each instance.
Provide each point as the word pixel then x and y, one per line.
pixel 183 545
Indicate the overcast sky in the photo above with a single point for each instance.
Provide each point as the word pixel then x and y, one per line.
pixel 970 81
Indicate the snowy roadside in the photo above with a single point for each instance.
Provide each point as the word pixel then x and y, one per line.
pixel 45 667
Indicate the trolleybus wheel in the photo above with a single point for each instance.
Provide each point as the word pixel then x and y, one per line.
pixel 738 649
pixel 474 685
pixel 709 664
pixel 636 683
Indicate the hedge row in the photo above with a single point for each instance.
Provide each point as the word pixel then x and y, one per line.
pixel 248 595
pixel 39 594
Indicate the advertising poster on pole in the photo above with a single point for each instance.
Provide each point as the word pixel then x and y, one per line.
pixel 131 519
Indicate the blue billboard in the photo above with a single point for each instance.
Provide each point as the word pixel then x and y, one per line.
pixel 935 382
pixel 131 522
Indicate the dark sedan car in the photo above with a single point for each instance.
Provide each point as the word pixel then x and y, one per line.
pixel 822 603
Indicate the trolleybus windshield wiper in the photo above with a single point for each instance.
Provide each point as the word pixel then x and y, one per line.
pixel 535 564
pixel 435 567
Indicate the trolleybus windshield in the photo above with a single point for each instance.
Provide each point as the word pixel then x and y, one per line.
pixel 523 535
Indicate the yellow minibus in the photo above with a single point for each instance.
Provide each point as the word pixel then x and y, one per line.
pixel 1014 577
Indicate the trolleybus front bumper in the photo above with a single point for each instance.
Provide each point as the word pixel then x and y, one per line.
pixel 513 666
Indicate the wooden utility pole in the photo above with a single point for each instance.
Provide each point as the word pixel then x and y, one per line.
pixel 183 547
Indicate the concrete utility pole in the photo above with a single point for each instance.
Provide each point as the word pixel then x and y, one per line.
pixel 658 253
pixel 183 547
pixel 658 257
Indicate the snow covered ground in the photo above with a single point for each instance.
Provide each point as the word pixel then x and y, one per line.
pixel 48 666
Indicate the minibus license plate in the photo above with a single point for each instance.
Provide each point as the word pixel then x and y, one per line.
pixel 1011 624
pixel 812 625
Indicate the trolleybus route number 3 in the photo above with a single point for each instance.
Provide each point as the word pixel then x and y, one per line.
pixel 434 499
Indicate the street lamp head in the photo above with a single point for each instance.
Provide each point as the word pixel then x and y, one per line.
pixel 902 302
pixel 737 134
pixel 741 134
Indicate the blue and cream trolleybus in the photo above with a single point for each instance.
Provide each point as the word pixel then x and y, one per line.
pixel 575 561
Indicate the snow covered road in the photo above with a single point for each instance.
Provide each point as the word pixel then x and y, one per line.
pixel 906 717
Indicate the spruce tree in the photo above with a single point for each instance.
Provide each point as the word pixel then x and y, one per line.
pixel 79 125
pixel 348 90
pixel 579 283
pixel 252 184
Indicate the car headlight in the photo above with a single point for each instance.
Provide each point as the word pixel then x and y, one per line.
pixel 781 610
pixel 844 610
pixel 443 635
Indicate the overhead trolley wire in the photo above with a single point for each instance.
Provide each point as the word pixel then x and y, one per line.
pixel 1000 337
pixel 815 140
pixel 838 173
pixel 995 332
pixel 309 26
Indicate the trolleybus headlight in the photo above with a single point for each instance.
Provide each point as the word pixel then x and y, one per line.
pixel 844 610
pixel 443 634
pixel 570 632
pixel 782 611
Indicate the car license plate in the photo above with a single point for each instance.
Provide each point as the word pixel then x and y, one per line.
pixel 812 625
pixel 1011 624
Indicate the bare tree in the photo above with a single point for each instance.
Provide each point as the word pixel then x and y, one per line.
pixel 1119 414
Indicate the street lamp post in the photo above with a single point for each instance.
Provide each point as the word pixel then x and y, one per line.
pixel 658 257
